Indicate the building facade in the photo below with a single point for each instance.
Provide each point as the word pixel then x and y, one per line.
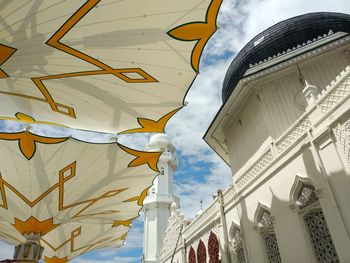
pixel 284 129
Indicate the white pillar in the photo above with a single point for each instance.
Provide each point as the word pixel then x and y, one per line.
pixel 160 197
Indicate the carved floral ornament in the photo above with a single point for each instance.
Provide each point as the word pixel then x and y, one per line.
pixel 342 134
pixel 236 236
pixel 263 218
pixel 347 129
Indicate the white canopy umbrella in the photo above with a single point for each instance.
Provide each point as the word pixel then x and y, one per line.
pixel 47 184
pixel 111 66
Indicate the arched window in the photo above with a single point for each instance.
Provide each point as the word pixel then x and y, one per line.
pixel 316 225
pixel 237 243
pixel 201 252
pixel 267 231
pixel 213 248
pixel 192 256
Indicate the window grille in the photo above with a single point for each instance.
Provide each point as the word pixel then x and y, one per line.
pixel 239 251
pixel 238 245
pixel 273 252
pixel 318 231
pixel 268 234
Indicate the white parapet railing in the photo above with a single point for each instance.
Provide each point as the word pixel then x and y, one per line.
pixel 335 92
pixel 205 217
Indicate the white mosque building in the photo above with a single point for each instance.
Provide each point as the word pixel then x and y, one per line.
pixel 284 129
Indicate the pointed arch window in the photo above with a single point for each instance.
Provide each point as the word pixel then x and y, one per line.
pixel 201 252
pixel 317 228
pixel 265 222
pixel 237 241
pixel 192 256
pixel 213 248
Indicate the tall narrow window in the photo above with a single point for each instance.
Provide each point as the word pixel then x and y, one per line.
pixel 238 245
pixel 213 248
pixel 268 234
pixel 316 225
pixel 192 256
pixel 201 252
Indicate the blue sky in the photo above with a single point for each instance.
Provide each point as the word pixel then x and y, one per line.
pixel 201 172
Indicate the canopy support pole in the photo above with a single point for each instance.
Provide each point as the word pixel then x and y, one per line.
pixel 29 251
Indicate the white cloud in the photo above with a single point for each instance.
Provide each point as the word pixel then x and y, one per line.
pixel 241 20
pixel 133 241
pixel 193 190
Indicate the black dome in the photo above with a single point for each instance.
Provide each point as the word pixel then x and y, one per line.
pixel 280 37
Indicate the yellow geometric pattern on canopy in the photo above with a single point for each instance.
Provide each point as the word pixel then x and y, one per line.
pixel 149 158
pixel 198 31
pixel 139 198
pixel 28 119
pixel 122 237
pixel 126 223
pixel 151 125
pixel 55 260
pixel 34 225
pixel 5 53
pixel 27 141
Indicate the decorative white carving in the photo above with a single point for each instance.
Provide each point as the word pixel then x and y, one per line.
pixel 172 233
pixel 335 92
pixel 238 245
pixel 293 133
pixel 255 170
pixel 306 197
pixel 311 93
pixel 342 134
pixel 206 216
